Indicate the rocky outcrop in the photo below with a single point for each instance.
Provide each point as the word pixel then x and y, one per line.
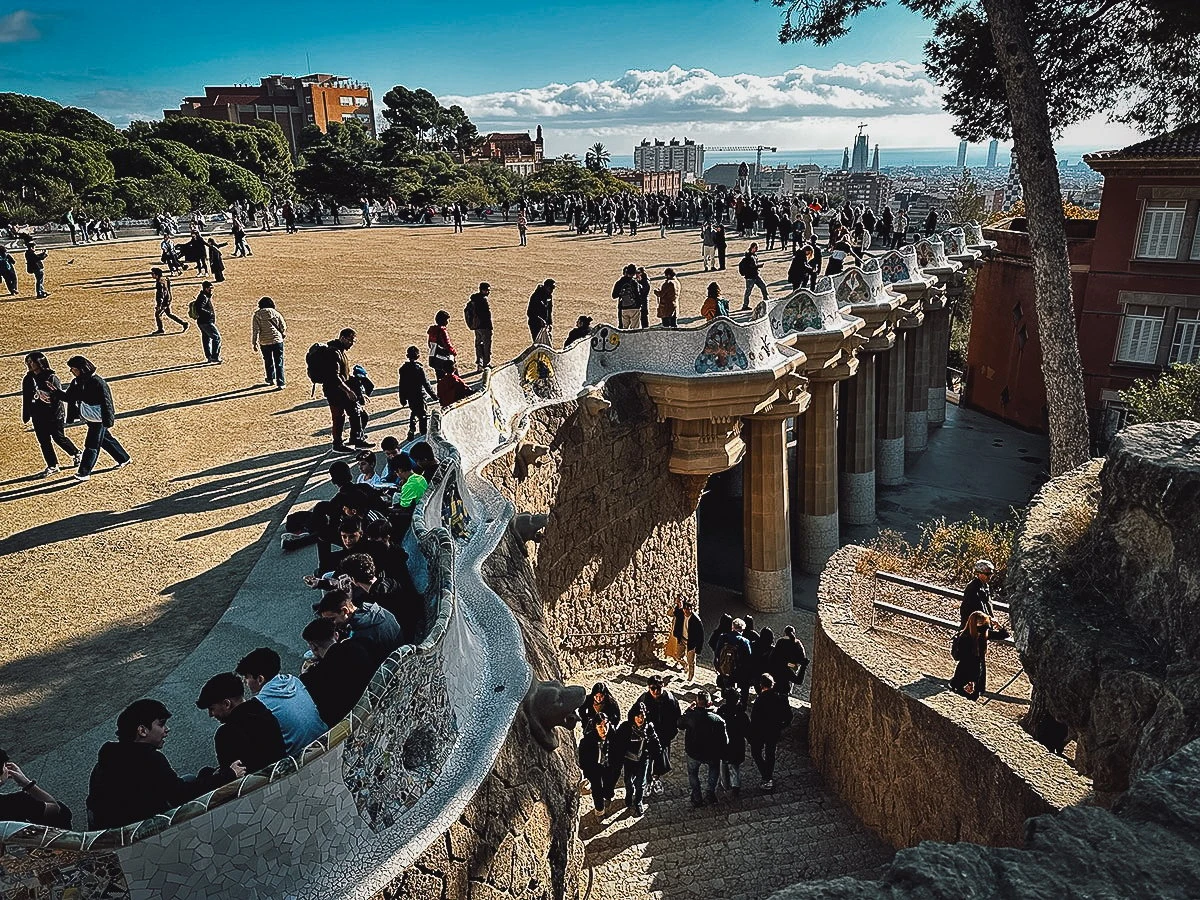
pixel 1148 846
pixel 1104 612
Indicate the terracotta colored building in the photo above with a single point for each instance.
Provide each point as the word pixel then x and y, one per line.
pixel 669 182
pixel 1135 281
pixel 514 150
pixel 292 103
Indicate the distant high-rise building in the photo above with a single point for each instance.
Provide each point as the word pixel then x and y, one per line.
pixel 1013 190
pixel 962 154
pixel 993 149
pixel 860 158
pixel 292 103
pixel 846 159
pixel 875 160
pixel 667 156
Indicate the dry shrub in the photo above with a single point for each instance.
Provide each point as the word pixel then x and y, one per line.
pixel 946 551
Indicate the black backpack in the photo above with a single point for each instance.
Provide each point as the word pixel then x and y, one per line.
pixel 469 314
pixel 321 362
pixel 746 267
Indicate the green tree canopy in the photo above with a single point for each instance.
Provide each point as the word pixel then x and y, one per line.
pixel 33 115
pixel 417 121
pixel 1173 395
pixel 260 148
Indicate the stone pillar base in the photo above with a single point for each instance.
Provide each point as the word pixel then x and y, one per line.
pixel 768 591
pixel 916 430
pixel 937 406
pixel 819 540
pixel 889 461
pixel 857 505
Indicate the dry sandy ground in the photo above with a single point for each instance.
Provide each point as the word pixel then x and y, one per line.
pixel 107 584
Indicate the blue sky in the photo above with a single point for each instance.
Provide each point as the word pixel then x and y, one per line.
pixel 512 65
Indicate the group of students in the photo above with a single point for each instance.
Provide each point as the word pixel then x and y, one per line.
pixel 368 607
pixel 638 745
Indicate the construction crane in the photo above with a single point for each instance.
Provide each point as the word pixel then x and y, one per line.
pixel 757 160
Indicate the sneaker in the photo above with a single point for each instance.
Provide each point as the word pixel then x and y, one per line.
pixel 122 465
pixel 362 444
pixel 768 785
pixel 600 808
pixel 81 478
pixel 49 470
pixel 640 809
pixel 279 387
pixel 656 786
pixel 270 381
pixel 76 460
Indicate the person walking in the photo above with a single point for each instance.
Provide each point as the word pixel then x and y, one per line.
pixel 625 292
pixel 334 378
pixel 688 631
pixel 719 243
pixel 637 746
pixel 662 708
pixel 8 271
pixel 35 265
pixel 788 661
pixel 206 321
pixel 413 388
pixel 95 401
pixel 750 270
pixel 267 333
pixel 364 208
pixel 597 761
pixel 706 744
pixel 540 313
pixel 708 245
pixel 48 416
pixel 737 727
pixel 523 228
pixel 770 714
pixel 162 301
pixel 241 247
pixel 969 650
pixel 478 317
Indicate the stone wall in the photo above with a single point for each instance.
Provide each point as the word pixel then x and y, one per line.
pixel 1104 612
pixel 914 761
pixel 1147 847
pixel 620 542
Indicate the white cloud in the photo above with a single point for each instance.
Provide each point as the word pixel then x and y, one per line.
pixel 17 27
pixel 868 90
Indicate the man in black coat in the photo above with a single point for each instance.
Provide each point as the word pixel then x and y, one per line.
pixel 689 634
pixel 977 597
pixel 478 316
pixel 540 311
pixel 706 744
pixel 342 672
pixel 132 780
pixel 769 715
pixel 788 661
pixel 662 708
pixel 249 737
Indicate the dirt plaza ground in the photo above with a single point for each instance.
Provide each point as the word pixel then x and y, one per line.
pixel 110 582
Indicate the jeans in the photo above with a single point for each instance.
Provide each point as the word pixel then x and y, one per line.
pixel 751 284
pixel 636 774
pixel 483 347
pixel 731 774
pixel 40 278
pixel 764 757
pixel 99 438
pixel 50 433
pixel 524 238
pixel 273 362
pixel 714 772
pixel 210 340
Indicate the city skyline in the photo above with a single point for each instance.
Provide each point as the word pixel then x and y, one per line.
pixel 516 68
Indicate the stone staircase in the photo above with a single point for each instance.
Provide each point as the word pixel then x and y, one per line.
pixel 743 847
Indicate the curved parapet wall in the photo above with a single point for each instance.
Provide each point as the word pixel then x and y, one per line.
pixel 364 802
pixel 913 760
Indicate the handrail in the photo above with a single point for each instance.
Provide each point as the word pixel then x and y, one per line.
pixel 929 588
pixel 927 618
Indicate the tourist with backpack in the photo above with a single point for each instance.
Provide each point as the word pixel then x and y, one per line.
pixel 327 366
pixel 733 654
pixel 628 296
pixel 413 388
pixel 478 316
pixel 441 352
pixel 202 310
pixel 162 301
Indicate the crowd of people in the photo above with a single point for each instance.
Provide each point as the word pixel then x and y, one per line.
pixel 755 674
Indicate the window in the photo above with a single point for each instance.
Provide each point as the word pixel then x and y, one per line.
pixel 1162 222
pixel 349 101
pixel 1195 254
pixel 1140 333
pixel 1185 346
pixel 360 101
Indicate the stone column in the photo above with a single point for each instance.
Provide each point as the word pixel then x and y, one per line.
pixel 767 527
pixel 816 457
pixel 938 323
pixel 889 405
pixel 916 391
pixel 856 429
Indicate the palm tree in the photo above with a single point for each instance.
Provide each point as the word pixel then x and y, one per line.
pixel 597 157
